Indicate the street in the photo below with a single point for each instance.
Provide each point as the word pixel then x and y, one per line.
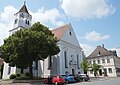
pixel 111 81
pixel 105 81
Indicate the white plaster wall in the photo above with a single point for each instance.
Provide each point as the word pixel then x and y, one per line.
pixel 5 71
pixel 71 50
pixel 22 21
pixel 72 39
pixel 105 65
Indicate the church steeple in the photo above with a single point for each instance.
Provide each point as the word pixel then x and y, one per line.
pixel 24 8
pixel 22 19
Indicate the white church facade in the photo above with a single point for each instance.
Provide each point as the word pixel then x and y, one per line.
pixel 67 61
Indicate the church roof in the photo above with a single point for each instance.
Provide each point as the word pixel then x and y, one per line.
pixel 100 51
pixel 59 32
pixel 24 9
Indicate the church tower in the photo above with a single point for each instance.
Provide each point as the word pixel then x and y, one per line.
pixel 22 19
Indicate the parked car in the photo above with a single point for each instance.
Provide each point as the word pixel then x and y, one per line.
pixel 84 77
pixel 69 78
pixel 76 77
pixel 54 80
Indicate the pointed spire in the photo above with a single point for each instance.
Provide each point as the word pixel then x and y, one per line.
pixel 24 8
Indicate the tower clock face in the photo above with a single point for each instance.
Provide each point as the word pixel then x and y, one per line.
pixel 22 15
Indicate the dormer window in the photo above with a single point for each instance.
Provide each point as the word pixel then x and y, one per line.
pixel 98 53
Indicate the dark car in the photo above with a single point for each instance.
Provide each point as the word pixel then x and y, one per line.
pixel 76 77
pixel 84 77
pixel 69 78
pixel 54 80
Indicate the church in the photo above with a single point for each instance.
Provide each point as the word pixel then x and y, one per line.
pixel 66 62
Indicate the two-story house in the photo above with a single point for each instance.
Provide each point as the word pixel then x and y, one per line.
pixel 108 59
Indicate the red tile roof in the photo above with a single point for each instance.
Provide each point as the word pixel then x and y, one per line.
pixel 59 32
pixel 24 9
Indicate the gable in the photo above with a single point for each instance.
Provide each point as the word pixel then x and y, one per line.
pixel 66 34
pixel 99 52
pixel 59 32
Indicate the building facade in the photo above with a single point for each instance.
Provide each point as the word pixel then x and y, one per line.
pixel 109 61
pixel 66 62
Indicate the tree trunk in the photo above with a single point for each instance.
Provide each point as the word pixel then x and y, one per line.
pixel 85 72
pixel 22 70
pixel 30 71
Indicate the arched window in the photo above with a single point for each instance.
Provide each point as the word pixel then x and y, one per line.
pixel 78 65
pixel 65 56
pixel 16 21
pixel 70 32
pixel 26 22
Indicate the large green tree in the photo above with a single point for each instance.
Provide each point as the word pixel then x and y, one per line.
pixel 95 67
pixel 25 45
pixel 85 65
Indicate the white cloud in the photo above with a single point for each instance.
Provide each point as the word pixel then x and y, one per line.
pixel 88 49
pixel 94 36
pixel 8 14
pixel 6 22
pixel 86 9
pixel 47 16
pixel 51 16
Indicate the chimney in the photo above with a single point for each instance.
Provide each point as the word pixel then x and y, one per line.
pixel 103 45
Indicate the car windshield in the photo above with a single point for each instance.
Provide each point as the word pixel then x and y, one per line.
pixel 61 76
pixel 83 75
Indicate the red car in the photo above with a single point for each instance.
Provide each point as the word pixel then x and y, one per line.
pixel 54 80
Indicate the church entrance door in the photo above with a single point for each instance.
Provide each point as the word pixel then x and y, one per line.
pixel 73 71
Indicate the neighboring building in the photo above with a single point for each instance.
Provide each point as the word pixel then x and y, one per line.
pixel 66 62
pixel 109 61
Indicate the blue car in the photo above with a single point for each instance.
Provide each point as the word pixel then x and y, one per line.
pixel 69 78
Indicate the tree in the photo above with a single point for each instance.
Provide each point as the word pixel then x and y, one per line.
pixel 85 65
pixel 23 47
pixel 95 68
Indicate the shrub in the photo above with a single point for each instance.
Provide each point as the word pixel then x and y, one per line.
pixel 18 75
pixel 12 76
pixel 27 74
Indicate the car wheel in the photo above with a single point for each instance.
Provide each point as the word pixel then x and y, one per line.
pixel 56 83
pixel 66 81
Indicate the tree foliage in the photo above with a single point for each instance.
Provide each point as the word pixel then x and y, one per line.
pixel 95 68
pixel 23 47
pixel 85 65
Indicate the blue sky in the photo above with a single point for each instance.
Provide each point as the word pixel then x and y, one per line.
pixel 95 22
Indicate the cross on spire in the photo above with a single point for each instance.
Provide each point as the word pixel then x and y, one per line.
pixel 24 2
